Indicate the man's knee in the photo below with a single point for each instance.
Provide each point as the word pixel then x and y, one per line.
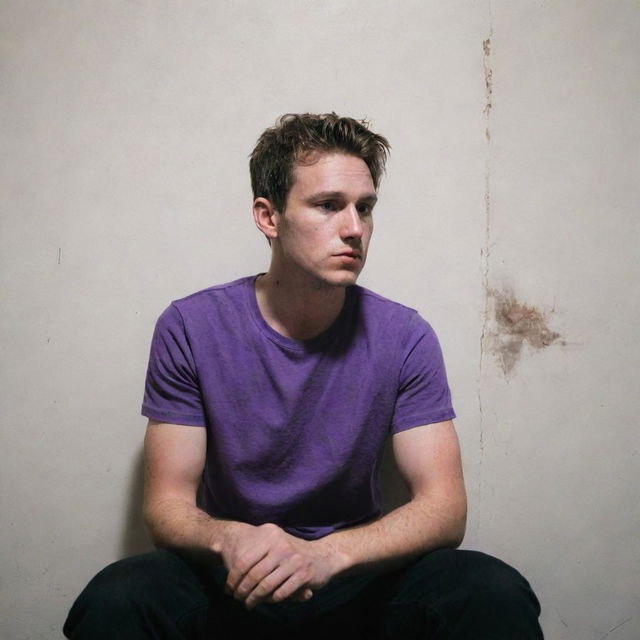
pixel 130 580
pixel 455 592
pixel 135 590
pixel 475 576
pixel 497 584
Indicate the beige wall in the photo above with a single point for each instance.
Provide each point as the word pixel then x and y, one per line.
pixel 509 218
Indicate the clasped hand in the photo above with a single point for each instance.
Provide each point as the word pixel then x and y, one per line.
pixel 266 564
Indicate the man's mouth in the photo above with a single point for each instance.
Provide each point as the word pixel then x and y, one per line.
pixel 349 254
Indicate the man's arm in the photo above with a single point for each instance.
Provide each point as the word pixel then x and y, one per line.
pixel 428 458
pixel 267 564
pixel 174 461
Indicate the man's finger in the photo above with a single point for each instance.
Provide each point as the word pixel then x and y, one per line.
pixel 242 566
pixel 264 590
pixel 255 576
pixel 302 595
pixel 295 585
pixel 291 575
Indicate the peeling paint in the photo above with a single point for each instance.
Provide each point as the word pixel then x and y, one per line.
pixel 514 324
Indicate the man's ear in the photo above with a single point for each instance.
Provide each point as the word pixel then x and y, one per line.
pixel 264 215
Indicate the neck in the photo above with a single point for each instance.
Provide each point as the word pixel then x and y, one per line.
pixel 295 308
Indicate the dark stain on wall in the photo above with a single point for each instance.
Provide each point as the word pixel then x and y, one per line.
pixel 517 323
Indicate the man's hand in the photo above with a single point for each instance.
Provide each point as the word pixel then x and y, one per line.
pixel 266 564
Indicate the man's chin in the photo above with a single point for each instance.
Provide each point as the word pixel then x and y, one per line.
pixel 336 278
pixel 345 278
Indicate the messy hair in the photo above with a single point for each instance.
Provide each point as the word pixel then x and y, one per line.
pixel 296 136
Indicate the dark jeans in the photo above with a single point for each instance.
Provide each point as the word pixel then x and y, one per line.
pixel 449 594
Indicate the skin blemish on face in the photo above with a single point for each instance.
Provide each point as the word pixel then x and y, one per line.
pixel 514 324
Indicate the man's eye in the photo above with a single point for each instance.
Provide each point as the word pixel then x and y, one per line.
pixel 365 209
pixel 327 206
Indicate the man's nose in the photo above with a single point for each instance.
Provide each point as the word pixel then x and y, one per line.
pixel 351 223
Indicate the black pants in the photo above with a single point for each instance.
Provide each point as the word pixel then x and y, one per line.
pixel 449 594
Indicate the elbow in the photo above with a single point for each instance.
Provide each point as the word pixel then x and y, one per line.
pixel 156 515
pixel 458 533
pixel 460 526
pixel 453 533
pixel 150 512
pixel 149 517
pixel 447 520
pixel 457 525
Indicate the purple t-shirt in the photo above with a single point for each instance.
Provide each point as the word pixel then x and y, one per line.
pixel 295 428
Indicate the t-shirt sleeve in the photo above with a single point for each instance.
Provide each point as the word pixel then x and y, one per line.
pixel 172 393
pixel 423 391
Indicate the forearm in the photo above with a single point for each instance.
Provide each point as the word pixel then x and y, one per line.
pixel 174 463
pixel 419 526
pixel 178 524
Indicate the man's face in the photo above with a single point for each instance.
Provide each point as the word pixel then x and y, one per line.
pixel 325 230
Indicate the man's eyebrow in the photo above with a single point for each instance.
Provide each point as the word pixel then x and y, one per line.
pixel 338 195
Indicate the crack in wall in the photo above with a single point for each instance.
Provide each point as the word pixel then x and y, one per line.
pixel 606 635
pixel 507 324
pixel 486 250
pixel 488 82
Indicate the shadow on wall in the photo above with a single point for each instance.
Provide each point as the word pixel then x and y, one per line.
pixel 134 535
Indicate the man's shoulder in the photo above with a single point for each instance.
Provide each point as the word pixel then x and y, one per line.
pixel 387 310
pixel 213 296
pixel 371 298
pixel 390 314
pixel 227 289
pixel 206 304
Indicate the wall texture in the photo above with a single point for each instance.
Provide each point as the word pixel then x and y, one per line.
pixel 509 218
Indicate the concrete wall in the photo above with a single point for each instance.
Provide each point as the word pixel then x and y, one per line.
pixel 509 218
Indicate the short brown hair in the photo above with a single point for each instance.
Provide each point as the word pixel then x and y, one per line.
pixel 295 136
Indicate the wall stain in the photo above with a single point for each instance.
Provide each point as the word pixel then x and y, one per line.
pixel 513 324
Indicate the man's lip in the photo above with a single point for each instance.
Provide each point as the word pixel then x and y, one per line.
pixel 349 254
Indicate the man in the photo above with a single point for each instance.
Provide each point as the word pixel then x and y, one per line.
pixel 269 402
